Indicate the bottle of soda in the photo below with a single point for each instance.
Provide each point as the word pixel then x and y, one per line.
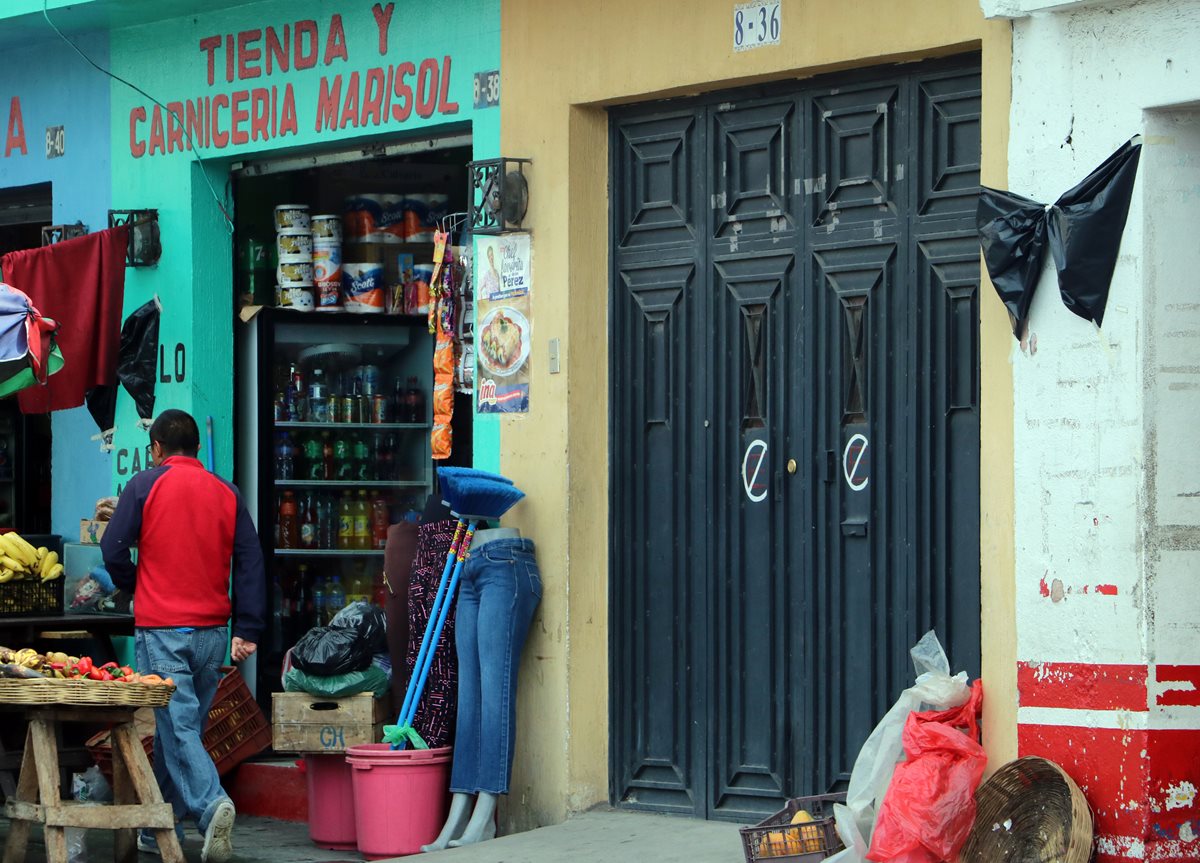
pixel 308 523
pixel 327 529
pixel 399 405
pixel 345 537
pixel 414 401
pixel 304 610
pixel 358 586
pixel 379 458
pixel 314 463
pixel 364 467
pixel 379 522
pixel 343 458
pixel 320 611
pixel 284 464
pixel 362 522
pixel 388 464
pixel 318 397
pixel 328 468
pixel 335 597
pixel 288 526
pixel 380 591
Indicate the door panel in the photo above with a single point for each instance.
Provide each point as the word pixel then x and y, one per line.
pixel 794 427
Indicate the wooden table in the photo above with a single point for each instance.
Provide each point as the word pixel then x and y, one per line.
pixel 138 803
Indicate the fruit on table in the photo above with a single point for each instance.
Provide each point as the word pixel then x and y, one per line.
pixel 28 663
pixel 19 559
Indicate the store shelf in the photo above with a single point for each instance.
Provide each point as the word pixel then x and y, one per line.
pixel 330 552
pixel 288 424
pixel 350 483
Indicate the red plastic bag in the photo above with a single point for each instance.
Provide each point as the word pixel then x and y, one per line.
pixel 929 807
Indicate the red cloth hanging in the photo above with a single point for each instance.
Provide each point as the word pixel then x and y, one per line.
pixel 81 284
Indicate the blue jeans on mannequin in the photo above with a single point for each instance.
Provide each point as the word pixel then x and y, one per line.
pixel 499 590
pixel 185 772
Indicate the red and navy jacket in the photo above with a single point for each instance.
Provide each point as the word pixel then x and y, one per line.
pixel 187 524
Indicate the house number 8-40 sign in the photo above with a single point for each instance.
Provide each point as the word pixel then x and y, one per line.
pixel 756 25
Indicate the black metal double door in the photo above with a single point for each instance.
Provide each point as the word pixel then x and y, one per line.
pixel 794 427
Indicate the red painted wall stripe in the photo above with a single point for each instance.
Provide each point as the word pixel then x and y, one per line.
pixel 1182 685
pixel 1083 686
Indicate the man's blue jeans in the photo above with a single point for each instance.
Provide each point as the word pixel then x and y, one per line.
pixel 499 589
pixel 185 772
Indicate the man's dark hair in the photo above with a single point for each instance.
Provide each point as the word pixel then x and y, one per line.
pixel 176 432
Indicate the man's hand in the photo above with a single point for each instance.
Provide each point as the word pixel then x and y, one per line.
pixel 242 649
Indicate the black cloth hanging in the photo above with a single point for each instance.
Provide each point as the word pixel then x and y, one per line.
pixel 137 361
pixel 1083 227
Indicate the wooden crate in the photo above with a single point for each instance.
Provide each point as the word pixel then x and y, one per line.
pixel 315 724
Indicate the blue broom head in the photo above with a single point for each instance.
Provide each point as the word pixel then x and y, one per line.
pixel 479 498
pixel 445 473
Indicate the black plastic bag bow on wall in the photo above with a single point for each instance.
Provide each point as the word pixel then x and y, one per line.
pixel 137 361
pixel 1084 228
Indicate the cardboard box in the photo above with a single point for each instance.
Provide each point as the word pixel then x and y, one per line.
pixel 313 724
pixel 91 531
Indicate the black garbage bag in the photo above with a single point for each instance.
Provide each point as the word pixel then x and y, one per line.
pixel 1083 227
pixel 137 360
pixel 369 621
pixel 326 651
pixel 102 405
pixel 352 638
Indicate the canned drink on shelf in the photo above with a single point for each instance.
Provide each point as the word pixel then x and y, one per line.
pixel 346 409
pixel 378 408
pixel 333 405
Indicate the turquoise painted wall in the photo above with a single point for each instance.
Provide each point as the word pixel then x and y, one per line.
pixel 55 87
pixel 226 73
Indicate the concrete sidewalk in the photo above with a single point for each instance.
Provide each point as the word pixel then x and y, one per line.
pixel 609 836
pixel 599 836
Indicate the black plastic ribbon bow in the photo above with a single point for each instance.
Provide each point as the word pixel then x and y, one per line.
pixel 1084 227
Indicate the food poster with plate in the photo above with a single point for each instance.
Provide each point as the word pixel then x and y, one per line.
pixel 503 331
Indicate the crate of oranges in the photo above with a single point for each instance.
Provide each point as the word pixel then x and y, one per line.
pixel 803 830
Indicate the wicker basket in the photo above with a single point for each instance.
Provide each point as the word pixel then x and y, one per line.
pixel 1030 810
pixel 83 693
pixel 776 838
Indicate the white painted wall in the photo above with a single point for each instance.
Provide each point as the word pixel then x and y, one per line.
pixel 1096 412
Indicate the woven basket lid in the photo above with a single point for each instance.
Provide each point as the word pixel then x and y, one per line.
pixel 1030 811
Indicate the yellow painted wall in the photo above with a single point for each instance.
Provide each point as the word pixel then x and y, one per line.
pixel 561 62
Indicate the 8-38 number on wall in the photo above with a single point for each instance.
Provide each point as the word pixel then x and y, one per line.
pixel 757 24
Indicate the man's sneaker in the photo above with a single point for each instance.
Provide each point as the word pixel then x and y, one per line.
pixel 218 837
pixel 147 844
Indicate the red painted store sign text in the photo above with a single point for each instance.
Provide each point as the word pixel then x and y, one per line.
pixel 372 99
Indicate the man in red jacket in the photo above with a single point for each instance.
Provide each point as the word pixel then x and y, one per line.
pixel 189 525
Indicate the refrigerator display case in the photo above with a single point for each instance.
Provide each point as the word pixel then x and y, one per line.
pixel 343 451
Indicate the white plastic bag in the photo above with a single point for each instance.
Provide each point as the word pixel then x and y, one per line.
pixel 87 787
pixel 934 689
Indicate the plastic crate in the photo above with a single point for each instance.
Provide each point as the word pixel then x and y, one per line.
pixel 777 838
pixel 29 597
pixel 236 729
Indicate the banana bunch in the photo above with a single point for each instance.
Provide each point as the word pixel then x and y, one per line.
pixel 19 559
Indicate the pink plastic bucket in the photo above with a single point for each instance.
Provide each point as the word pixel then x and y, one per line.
pixel 400 797
pixel 330 802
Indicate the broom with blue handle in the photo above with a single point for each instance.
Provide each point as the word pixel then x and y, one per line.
pixel 447 475
pixel 473 496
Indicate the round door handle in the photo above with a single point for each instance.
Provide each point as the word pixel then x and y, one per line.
pixel 791 465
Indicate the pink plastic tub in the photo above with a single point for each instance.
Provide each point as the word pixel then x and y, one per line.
pixel 400 797
pixel 330 802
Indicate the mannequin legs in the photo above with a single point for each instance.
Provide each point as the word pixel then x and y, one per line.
pixel 482 825
pixel 456 823
pixel 464 826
